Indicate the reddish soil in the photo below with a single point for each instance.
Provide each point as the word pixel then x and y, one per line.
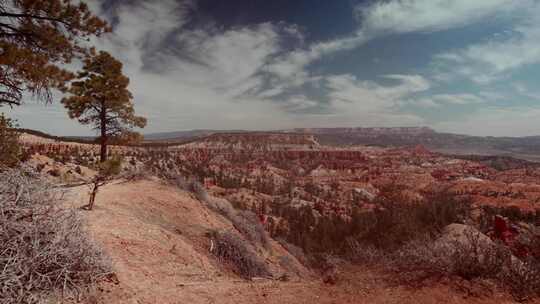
pixel 155 237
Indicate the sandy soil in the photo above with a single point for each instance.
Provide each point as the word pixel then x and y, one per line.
pixel 155 237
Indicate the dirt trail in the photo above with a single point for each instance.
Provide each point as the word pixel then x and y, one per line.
pixel 155 236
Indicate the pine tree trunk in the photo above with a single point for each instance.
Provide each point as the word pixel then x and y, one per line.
pixel 103 138
pixel 103 152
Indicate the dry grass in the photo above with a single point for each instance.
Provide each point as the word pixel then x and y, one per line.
pixel 44 249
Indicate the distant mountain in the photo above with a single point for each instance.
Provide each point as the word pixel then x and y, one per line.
pixel 181 136
pixel 527 148
pixel 370 132
pixel 257 141
pixel 522 147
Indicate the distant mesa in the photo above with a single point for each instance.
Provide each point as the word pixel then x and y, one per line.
pixel 257 140
pixel 526 148
pixel 369 131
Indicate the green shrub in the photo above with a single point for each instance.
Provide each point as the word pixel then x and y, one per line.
pixel 10 150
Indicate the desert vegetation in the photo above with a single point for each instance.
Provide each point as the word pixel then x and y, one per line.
pixel 233 251
pixel 361 206
pixel 10 150
pixel 44 248
pixel 234 207
pixel 45 251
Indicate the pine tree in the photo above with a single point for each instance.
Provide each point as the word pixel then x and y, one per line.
pixel 37 38
pixel 100 98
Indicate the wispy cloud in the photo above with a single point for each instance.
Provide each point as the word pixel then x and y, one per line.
pixel 495 58
pixel 262 76
pixel 179 75
pixel 406 16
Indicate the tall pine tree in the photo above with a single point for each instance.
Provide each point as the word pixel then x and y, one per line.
pixel 100 98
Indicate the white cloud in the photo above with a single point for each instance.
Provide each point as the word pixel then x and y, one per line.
pixel 299 103
pixel 184 78
pixel 142 28
pixel 405 16
pixel 458 99
pixel 229 59
pixel 201 73
pixel 392 17
pixel 292 65
pixel 495 58
pixel 349 95
pixel 523 90
pixel 438 100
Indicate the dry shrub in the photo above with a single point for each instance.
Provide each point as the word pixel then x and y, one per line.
pixel 133 174
pixel 246 222
pixel 471 259
pixel 295 251
pixel 43 248
pixel 523 280
pixel 232 250
pixel 287 263
pixel 249 225
pixel 364 253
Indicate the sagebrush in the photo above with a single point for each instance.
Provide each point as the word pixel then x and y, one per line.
pixel 232 250
pixel 471 258
pixel 44 248
pixel 246 222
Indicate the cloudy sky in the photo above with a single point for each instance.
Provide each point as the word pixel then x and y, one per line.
pixel 464 66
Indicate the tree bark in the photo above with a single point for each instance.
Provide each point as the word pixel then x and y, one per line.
pixel 90 205
pixel 103 138
pixel 98 182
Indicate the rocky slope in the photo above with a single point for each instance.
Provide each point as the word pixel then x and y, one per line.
pixel 156 238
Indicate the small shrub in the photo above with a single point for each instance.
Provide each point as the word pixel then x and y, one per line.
pixel 288 264
pixel 522 279
pixel 476 259
pixel 295 251
pixel 249 225
pixel 10 150
pixel 135 174
pixel 111 167
pixel 231 249
pixel 470 259
pixel 188 184
pixel 364 253
pixel 246 222
pixel 43 248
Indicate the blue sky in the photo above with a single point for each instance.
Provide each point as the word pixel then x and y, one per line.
pixel 458 66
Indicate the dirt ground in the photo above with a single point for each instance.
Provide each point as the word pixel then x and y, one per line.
pixel 155 237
